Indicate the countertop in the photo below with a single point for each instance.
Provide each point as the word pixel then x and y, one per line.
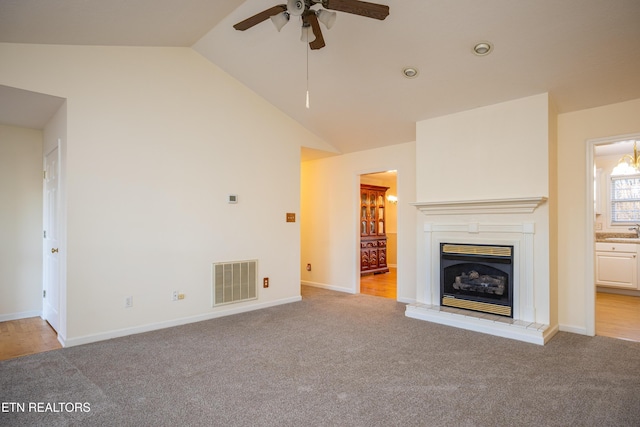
pixel 617 238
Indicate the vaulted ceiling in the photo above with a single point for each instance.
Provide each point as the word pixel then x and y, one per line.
pixel 585 53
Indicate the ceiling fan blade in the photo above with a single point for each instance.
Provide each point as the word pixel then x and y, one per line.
pixel 311 18
pixel 259 17
pixel 362 8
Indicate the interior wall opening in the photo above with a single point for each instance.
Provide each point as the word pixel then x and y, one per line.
pixel 24 328
pixel 378 244
pixel 616 236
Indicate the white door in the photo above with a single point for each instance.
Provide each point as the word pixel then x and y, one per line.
pixel 51 280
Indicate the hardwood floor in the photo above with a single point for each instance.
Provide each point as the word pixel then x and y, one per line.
pixel 26 336
pixel 380 285
pixel 618 316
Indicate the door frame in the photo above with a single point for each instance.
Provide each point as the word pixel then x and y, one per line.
pixel 590 284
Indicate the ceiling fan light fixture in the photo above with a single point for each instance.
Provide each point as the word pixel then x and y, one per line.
pixel 295 7
pixel 410 72
pixel 280 20
pixel 307 35
pixel 327 18
pixel 482 48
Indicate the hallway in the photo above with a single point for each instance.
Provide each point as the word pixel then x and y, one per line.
pixel 380 285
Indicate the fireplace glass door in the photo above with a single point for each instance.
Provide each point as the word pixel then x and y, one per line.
pixel 477 277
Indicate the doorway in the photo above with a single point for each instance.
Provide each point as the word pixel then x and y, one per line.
pixel 23 311
pixel 616 303
pixel 23 329
pixel 382 282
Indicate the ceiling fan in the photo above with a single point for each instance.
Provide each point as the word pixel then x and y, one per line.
pixel 311 33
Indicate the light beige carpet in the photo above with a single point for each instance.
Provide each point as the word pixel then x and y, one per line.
pixel 332 359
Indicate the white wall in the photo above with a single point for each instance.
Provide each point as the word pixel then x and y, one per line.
pixel 20 223
pixel 156 140
pixel 606 165
pixel 330 211
pixel 494 152
pixel 574 131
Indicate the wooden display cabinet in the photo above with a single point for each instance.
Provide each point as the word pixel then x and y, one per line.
pixel 373 238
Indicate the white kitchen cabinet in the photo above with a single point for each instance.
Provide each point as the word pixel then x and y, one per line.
pixel 617 265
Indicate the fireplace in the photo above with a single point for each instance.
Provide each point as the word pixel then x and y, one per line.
pixel 486 238
pixel 477 277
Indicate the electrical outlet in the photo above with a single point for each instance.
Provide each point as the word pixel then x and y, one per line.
pixel 174 296
pixel 180 296
pixel 128 302
pixel 308 267
pixel 265 282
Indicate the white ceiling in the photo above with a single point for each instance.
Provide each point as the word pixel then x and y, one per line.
pixel 112 22
pixel 585 53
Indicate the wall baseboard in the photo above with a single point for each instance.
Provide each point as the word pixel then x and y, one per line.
pixel 329 287
pixel 21 315
pixel 87 339
pixel 573 329
pixel 618 291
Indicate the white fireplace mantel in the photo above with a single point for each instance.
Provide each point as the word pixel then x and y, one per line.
pixel 475 207
pixel 499 221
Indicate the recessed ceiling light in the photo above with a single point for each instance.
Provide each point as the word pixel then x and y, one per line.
pixel 410 72
pixel 482 48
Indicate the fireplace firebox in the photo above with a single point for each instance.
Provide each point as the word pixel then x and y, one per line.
pixel 477 277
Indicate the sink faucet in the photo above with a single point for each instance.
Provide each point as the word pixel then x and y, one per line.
pixel 636 229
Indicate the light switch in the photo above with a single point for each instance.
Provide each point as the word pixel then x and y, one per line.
pixel 291 217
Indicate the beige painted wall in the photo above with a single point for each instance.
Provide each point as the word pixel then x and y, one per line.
pixel 329 212
pixel 156 140
pixel 574 130
pixel 489 152
pixel 20 223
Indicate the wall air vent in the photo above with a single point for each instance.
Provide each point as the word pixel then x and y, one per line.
pixel 234 282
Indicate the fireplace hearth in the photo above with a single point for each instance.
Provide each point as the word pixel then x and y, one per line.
pixel 477 277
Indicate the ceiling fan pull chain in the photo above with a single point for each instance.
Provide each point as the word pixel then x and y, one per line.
pixel 307 47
